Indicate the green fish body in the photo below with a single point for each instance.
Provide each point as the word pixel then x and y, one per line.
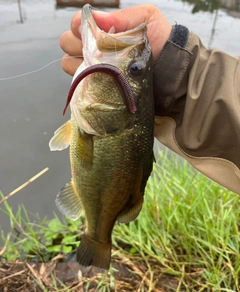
pixel 111 148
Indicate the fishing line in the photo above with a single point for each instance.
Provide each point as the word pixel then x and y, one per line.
pixel 37 70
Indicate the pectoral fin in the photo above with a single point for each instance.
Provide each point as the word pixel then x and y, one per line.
pixel 61 138
pixel 85 148
pixel 68 202
pixel 132 213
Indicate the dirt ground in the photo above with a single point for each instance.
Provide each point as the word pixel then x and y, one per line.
pixel 36 277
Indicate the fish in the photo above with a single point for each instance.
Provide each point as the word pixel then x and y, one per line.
pixel 110 135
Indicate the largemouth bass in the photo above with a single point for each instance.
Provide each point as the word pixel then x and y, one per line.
pixel 110 134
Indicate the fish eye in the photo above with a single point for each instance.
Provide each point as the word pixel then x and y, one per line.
pixel 135 68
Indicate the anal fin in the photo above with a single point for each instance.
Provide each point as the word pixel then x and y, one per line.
pixel 132 213
pixel 68 202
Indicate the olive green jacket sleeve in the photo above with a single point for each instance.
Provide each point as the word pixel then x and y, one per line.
pixel 197 104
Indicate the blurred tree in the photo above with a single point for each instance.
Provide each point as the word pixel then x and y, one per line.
pixel 204 5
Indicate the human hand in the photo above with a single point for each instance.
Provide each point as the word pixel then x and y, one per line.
pixel 158 31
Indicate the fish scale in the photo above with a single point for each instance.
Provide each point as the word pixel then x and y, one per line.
pixel 111 147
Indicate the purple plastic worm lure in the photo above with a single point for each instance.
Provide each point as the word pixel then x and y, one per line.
pixel 111 70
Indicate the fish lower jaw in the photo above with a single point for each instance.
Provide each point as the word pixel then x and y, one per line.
pixel 107 106
pixel 83 123
pixel 94 111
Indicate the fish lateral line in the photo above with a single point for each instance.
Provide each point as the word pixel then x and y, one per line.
pixel 111 70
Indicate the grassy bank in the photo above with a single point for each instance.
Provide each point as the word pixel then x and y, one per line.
pixel 185 239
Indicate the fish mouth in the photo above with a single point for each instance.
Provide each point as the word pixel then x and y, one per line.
pixel 108 69
pixel 101 50
pixel 108 47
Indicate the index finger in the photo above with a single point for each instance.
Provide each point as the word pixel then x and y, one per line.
pixel 75 24
pixel 122 19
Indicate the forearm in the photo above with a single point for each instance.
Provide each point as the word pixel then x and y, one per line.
pixel 197 94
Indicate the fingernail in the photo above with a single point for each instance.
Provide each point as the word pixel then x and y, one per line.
pixel 100 12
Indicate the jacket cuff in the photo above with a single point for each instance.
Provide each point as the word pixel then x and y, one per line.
pixel 170 68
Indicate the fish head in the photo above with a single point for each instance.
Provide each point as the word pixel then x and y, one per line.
pixel 106 100
pixel 108 47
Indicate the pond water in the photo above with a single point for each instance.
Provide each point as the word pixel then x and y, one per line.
pixel 32 104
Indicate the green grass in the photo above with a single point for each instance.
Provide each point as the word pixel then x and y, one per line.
pixel 188 230
pixel 190 225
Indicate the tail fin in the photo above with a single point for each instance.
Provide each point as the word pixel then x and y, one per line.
pixel 92 253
